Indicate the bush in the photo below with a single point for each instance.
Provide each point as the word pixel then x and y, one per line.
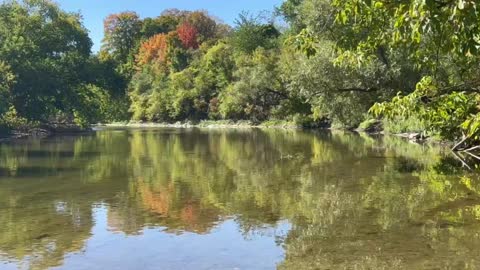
pixel 404 125
pixel 10 121
pixel 371 125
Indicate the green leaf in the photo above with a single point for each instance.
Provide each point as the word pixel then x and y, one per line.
pixel 378 5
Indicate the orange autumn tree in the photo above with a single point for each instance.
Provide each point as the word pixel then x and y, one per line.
pixel 154 49
pixel 188 35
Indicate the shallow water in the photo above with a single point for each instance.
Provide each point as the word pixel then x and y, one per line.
pixel 235 199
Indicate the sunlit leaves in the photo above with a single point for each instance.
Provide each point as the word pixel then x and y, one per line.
pixel 305 42
pixel 45 59
pixel 252 32
pixel 154 49
pixel 451 114
pixel 423 26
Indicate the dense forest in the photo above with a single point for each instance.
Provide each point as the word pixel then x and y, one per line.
pixel 414 65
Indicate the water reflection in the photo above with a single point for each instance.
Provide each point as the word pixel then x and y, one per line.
pixel 247 199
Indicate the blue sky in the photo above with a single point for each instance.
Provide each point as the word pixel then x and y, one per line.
pixel 94 11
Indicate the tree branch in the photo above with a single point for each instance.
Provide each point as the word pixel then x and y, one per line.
pixel 280 94
pixel 468 87
pixel 357 89
pixel 352 89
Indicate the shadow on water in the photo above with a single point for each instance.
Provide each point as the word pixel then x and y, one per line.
pixel 350 201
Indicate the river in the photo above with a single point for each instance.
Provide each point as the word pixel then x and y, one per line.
pixel 235 199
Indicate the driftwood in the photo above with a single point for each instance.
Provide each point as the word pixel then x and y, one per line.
pixel 459 153
pixel 462 160
pixel 472 155
pixel 462 147
pixel 456 147
pixel 471 149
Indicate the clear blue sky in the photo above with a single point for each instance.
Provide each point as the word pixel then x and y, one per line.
pixel 94 11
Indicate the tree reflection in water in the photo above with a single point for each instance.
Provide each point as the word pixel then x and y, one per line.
pixel 352 201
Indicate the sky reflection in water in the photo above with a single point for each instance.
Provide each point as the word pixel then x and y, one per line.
pixel 235 199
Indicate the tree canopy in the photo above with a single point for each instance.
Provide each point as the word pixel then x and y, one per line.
pixel 340 62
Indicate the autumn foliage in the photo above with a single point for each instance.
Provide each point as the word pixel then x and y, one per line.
pixel 154 49
pixel 188 35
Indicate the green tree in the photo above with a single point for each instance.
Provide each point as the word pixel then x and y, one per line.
pixel 47 51
pixel 440 39
pixel 121 35
pixel 290 10
pixel 215 73
pixel 7 80
pixel 250 33
pixel 257 87
pixel 159 25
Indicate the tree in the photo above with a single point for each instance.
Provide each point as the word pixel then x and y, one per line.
pixel 440 39
pixel 257 89
pixel 154 49
pixel 140 90
pixel 47 70
pixel 426 28
pixel 188 35
pixel 7 80
pixel 250 33
pixel 160 25
pixel 122 32
pixel 204 24
pixel 290 10
pixel 47 52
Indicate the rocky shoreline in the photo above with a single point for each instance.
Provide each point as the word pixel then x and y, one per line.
pixel 43 131
pixel 203 124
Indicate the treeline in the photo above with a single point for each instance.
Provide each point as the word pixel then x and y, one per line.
pixel 415 65
pixel 47 71
pixel 189 66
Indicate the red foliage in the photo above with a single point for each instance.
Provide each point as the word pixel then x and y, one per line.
pixel 188 35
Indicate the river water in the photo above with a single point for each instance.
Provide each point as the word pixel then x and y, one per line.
pixel 235 199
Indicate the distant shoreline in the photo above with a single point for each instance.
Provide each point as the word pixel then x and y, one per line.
pixel 206 124
pixel 52 130
pixel 43 131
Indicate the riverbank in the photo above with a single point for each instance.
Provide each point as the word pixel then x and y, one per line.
pixel 43 130
pixel 46 130
pixel 206 124
pixel 374 128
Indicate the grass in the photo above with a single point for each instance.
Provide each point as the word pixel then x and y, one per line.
pixel 401 125
pixel 279 123
pixel 368 124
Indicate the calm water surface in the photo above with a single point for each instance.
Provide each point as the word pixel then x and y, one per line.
pixel 235 199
